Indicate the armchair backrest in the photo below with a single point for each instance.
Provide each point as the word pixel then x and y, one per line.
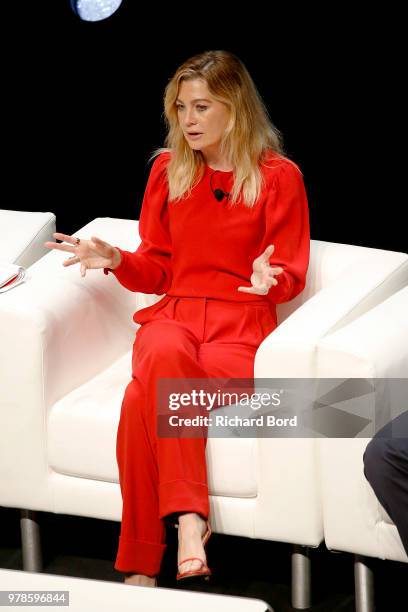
pixel 330 263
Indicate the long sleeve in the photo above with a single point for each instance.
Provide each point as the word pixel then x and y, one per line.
pixel 288 229
pixel 149 268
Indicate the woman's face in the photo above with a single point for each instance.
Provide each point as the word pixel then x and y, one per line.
pixel 199 112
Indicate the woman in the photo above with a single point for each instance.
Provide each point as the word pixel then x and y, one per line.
pixel 225 236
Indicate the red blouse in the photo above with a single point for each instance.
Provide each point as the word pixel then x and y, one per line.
pixel 202 247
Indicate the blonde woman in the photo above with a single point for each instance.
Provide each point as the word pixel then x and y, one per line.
pixel 224 230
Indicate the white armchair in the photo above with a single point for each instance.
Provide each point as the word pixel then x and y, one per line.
pixel 66 356
pixel 375 347
pixel 22 236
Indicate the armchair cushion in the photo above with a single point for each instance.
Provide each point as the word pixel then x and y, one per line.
pixel 92 412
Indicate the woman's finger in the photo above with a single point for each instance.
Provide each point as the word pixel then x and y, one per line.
pixel 96 239
pixel 271 278
pixel 65 237
pixel 268 251
pixel 262 289
pixel 97 242
pixel 83 269
pixel 99 245
pixel 59 247
pixel 71 261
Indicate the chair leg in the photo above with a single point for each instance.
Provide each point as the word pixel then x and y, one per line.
pixel 301 578
pixel 364 585
pixel 30 541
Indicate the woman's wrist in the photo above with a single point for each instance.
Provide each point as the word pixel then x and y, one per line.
pixel 116 259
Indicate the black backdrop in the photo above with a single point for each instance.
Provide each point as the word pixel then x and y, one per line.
pixel 82 106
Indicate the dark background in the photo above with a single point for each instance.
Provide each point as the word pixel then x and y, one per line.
pixel 82 106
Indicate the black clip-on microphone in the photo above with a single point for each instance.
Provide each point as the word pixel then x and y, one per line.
pixel 218 193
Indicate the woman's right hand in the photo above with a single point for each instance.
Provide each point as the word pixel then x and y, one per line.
pixel 92 254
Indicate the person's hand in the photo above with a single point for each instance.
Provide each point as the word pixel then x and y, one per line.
pixel 263 274
pixel 92 254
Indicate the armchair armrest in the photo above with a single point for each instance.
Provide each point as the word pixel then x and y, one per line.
pixel 79 325
pixel 378 340
pixel 372 346
pixel 290 350
pixel 57 330
pixel 293 350
pixel 23 234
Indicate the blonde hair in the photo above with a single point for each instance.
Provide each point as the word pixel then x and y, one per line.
pixel 248 138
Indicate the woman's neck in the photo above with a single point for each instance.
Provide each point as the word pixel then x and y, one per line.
pixel 218 164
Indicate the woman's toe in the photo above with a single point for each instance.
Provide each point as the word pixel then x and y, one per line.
pixel 190 566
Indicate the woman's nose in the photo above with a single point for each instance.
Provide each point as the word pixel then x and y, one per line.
pixel 190 117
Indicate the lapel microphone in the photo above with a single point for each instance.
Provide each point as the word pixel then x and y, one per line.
pixel 218 193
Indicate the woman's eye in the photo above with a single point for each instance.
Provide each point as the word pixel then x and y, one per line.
pixel 201 108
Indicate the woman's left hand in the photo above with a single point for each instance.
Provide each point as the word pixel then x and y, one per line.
pixel 263 274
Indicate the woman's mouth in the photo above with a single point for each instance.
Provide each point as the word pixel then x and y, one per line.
pixel 193 136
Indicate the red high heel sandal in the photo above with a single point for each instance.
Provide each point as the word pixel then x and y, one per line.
pixel 204 571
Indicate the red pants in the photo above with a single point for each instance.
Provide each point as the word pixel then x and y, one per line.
pixel 178 338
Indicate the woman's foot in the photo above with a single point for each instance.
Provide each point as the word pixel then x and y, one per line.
pixel 191 529
pixel 141 580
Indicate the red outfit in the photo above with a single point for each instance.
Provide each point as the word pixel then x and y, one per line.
pixel 197 251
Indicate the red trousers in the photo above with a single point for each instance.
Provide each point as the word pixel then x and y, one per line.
pixel 178 338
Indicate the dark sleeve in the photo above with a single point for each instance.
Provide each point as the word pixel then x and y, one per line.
pixel 288 229
pixel 149 269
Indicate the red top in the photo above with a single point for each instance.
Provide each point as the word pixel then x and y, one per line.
pixel 205 248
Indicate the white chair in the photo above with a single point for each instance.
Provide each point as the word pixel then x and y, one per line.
pixel 22 236
pixel 66 356
pixel 372 347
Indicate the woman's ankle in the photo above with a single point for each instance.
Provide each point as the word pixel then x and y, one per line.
pixel 190 522
pixel 140 579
